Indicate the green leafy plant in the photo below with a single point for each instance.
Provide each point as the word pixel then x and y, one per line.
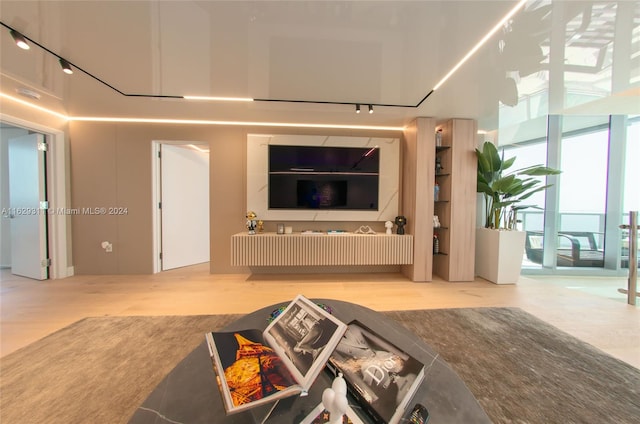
pixel 504 191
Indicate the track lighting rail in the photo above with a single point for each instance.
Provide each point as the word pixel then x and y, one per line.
pixel 20 40
pixel 67 66
pixel 89 74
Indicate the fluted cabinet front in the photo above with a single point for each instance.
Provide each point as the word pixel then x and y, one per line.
pixel 270 249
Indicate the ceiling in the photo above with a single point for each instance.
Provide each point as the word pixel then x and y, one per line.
pixel 310 62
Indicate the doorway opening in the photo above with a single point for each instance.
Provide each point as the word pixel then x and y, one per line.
pixel 56 227
pixel 181 204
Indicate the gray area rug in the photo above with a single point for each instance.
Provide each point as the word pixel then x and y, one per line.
pixel 521 370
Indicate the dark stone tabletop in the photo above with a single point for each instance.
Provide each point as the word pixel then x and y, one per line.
pixel 189 393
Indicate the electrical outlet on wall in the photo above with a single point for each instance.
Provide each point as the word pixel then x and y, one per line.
pixel 108 247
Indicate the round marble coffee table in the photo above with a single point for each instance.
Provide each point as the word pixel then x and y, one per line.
pixel 189 394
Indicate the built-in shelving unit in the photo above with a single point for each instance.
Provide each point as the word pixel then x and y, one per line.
pixel 441 206
pixel 456 207
pixel 456 204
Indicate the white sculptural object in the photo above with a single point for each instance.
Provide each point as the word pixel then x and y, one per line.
pixel 334 400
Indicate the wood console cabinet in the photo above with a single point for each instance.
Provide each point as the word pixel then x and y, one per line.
pixel 271 249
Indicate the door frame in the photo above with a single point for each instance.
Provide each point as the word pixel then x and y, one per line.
pixel 156 195
pixel 56 177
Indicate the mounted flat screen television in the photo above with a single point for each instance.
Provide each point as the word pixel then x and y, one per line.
pixel 323 177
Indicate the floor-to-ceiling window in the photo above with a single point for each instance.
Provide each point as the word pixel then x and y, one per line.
pixel 564 118
pixel 631 193
pixel 582 195
pixel 598 186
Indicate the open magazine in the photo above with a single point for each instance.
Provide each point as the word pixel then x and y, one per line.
pixel 254 367
pixel 382 377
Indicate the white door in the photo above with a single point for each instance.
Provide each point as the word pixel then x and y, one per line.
pixel 28 221
pixel 185 206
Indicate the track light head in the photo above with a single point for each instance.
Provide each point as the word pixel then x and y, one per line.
pixel 66 66
pixel 20 40
pixel 370 108
pixel 357 108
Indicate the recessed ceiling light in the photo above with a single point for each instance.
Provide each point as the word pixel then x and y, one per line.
pixel 28 93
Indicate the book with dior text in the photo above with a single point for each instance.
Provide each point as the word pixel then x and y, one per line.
pixel 379 375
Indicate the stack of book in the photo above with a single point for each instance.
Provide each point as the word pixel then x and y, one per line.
pixel 255 367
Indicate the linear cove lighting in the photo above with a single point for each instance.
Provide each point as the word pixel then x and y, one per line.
pixel 34 106
pixel 233 123
pixel 482 42
pixel 219 99
pixel 197 121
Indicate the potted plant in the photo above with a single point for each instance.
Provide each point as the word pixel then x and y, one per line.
pixel 500 246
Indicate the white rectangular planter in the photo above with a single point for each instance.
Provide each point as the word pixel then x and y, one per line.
pixel 499 255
